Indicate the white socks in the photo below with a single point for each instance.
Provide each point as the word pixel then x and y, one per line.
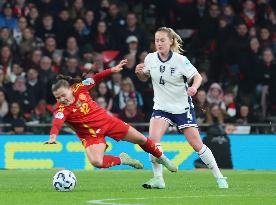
pixel 205 155
pixel 157 168
pixel 208 158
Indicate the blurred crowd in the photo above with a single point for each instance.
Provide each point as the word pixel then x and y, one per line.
pixel 231 42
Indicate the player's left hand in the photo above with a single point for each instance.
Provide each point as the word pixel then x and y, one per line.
pixel 191 91
pixel 119 67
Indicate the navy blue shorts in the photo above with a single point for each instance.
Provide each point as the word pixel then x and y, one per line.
pixel 182 121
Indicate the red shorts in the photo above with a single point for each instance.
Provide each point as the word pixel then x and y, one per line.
pixel 117 130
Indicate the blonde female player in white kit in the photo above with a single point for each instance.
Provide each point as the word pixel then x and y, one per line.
pixel 170 73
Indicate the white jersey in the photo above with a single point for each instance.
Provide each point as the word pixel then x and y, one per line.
pixel 169 84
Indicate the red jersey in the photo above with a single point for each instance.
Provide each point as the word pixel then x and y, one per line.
pixel 84 116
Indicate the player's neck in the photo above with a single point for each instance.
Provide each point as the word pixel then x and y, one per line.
pixel 164 56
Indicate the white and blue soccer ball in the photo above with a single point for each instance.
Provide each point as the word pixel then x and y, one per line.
pixel 64 180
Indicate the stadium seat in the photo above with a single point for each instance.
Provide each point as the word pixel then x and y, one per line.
pixel 109 55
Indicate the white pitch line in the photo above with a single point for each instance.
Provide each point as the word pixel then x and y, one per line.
pixel 109 201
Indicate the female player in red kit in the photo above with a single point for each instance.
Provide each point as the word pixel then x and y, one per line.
pixel 92 123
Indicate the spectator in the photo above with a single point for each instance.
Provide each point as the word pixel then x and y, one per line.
pixel 133 29
pixel 104 9
pixel 48 7
pixel 215 94
pixel 245 116
pixel 265 38
pixel 6 17
pixel 101 102
pixel 77 9
pixel 248 13
pixel 41 114
pixel 64 25
pixel 249 68
pixel 32 60
pixel 14 113
pixel 3 80
pixel 19 91
pixel 20 8
pixel 132 46
pixel 50 47
pixel 127 92
pixel 57 61
pixel 236 48
pixel 266 67
pixel 229 14
pixel 6 38
pixel 115 24
pixel 132 114
pixel 97 58
pixel 201 105
pixel 4 107
pixel 72 48
pixel 80 32
pixel 87 54
pixel 102 38
pixel 17 127
pixel 47 28
pixel 214 115
pixel 17 71
pixel 90 21
pixel 114 85
pixel 33 17
pixel 34 86
pixel 18 31
pixel 29 42
pixel 104 92
pixel 72 68
pixel 6 60
pixel 229 106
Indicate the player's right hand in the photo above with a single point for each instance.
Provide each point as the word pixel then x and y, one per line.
pixel 139 68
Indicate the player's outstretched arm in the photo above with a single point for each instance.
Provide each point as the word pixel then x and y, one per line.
pixel 139 70
pixel 59 119
pixel 119 66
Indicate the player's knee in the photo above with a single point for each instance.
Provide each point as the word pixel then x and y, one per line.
pixel 96 162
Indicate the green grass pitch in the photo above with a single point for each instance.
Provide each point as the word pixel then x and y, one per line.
pixel 124 188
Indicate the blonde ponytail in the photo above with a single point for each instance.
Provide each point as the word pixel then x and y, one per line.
pixel 177 41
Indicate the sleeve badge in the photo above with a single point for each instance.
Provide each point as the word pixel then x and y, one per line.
pixel 59 115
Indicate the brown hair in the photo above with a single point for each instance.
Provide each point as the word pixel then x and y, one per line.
pixel 177 41
pixel 210 118
pixel 64 81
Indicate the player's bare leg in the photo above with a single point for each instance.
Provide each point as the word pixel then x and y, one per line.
pixel 158 128
pixel 206 155
pixel 95 154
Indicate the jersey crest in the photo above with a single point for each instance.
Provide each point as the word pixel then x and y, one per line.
pixel 162 68
pixel 82 97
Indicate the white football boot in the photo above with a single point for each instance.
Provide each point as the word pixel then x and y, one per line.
pixel 155 183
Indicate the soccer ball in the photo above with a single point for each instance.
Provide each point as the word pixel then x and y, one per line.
pixel 64 180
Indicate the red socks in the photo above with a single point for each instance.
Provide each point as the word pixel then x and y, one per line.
pixel 151 148
pixel 110 161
